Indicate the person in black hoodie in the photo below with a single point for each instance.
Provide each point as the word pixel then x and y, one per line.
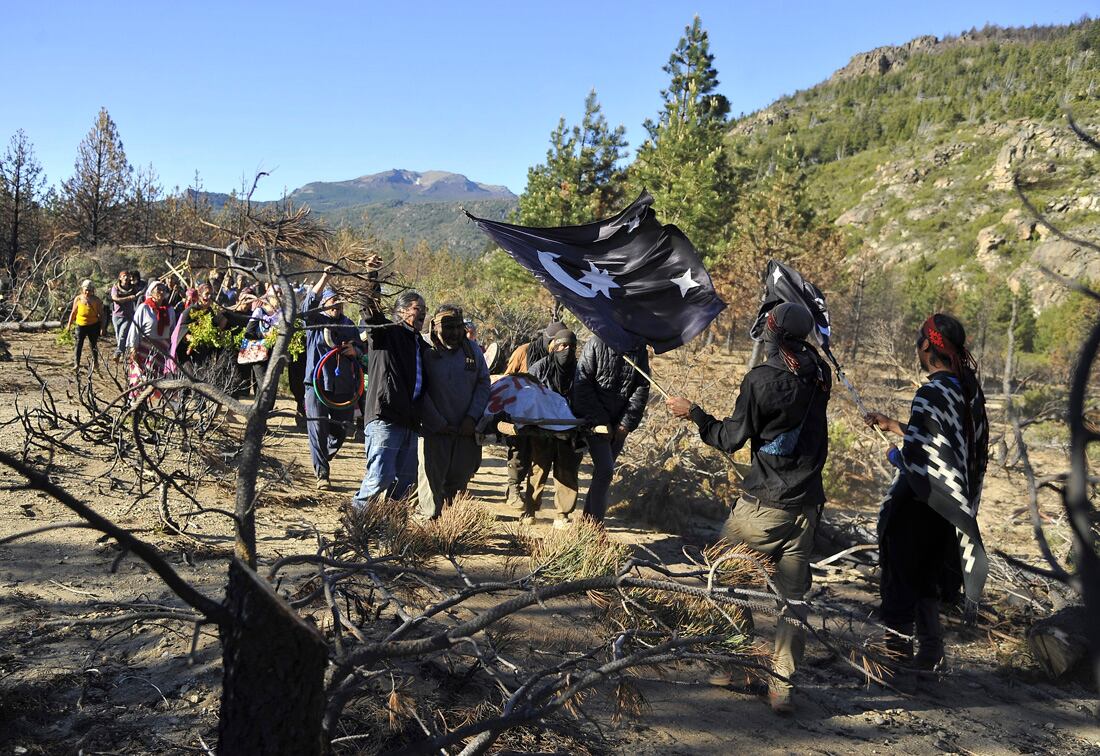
pixel 780 412
pixel 395 388
pixel 557 371
pixel 608 392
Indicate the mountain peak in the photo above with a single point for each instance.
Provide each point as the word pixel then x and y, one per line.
pixel 397 186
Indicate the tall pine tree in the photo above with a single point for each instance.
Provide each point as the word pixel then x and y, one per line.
pixel 94 200
pixel 692 74
pixel 684 164
pixel 582 179
pixel 21 183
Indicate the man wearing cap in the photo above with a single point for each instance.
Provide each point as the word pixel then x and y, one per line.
pixel 519 448
pixel 396 385
pixel 329 418
pixel 458 390
pixel 780 412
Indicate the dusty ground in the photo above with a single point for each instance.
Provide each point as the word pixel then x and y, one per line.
pixel 69 688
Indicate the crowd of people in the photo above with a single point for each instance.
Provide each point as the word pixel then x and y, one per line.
pixel 423 397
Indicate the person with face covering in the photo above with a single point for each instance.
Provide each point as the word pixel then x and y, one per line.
pixel 780 412
pixel 458 390
pixel 519 447
pixel 556 371
pixel 327 328
pixel 87 315
pixel 929 542
pixel 396 386
pixel 150 337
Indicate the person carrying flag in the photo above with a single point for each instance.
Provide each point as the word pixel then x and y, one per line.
pixel 929 542
pixel 780 412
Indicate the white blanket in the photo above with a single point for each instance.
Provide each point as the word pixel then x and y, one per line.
pixel 527 402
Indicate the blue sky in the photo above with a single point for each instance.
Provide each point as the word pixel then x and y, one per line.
pixel 330 91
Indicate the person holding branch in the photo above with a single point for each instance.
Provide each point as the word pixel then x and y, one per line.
pixel 780 413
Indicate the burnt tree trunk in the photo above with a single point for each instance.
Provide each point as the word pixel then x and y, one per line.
pixel 273 693
pixel 1060 642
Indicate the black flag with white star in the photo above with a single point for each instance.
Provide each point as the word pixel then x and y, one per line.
pixel 629 279
pixel 783 283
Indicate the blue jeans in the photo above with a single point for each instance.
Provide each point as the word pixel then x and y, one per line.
pixel 391 461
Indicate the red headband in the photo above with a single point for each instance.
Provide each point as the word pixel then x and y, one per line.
pixel 935 337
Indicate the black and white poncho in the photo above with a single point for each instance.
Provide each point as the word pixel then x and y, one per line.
pixel 938 470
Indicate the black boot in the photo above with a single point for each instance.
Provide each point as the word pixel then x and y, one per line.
pixel 929 636
pixel 898 670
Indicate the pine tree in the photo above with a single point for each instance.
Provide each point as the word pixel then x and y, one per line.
pixel 21 184
pixel 684 167
pixel 145 205
pixel 694 77
pixel 775 220
pixel 94 201
pixel 581 179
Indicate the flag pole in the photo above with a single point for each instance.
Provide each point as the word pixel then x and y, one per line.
pixel 666 395
pixel 843 378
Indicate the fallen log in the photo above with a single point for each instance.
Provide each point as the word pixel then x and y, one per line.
pixel 1059 643
pixel 34 325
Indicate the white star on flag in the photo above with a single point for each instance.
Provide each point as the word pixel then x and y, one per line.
pixel 599 281
pixel 685 283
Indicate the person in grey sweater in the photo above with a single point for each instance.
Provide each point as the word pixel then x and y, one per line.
pixel 458 390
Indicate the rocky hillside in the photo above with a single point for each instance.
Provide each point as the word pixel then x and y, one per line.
pixel 913 150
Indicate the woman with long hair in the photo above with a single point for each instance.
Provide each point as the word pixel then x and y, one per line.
pixel 929 542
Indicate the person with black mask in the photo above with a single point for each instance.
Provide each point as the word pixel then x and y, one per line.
pixel 780 412
pixel 557 372
pixel 519 450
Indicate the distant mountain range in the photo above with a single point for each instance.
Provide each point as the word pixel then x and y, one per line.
pixel 405 205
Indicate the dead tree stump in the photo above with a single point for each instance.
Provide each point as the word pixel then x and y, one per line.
pixel 273 673
pixel 1060 642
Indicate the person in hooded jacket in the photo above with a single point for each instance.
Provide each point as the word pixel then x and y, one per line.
pixel 557 371
pixel 396 385
pixel 608 392
pixel 519 447
pixel 328 419
pixel 780 412
pixel 458 390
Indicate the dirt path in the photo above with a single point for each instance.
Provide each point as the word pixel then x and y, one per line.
pixel 68 688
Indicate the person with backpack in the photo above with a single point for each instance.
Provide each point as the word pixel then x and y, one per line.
pixel 780 413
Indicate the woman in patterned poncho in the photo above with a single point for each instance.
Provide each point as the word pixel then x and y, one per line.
pixel 929 541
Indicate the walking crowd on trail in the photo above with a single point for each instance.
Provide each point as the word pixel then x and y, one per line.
pixel 426 402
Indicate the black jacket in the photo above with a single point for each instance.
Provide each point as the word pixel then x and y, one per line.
pixel 556 378
pixel 392 362
pixel 608 391
pixel 773 401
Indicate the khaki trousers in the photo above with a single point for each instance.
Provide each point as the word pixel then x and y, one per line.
pixel 447 463
pixel 786 537
pixel 565 461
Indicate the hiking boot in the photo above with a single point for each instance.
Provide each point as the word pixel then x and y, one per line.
pixel 780 701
